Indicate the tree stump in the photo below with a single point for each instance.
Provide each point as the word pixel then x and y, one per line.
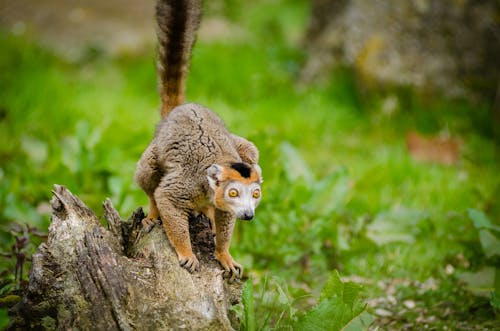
pixel 88 277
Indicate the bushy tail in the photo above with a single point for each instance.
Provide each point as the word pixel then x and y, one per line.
pixel 178 21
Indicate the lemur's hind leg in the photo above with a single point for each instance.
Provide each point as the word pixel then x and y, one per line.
pixel 175 220
pixel 148 175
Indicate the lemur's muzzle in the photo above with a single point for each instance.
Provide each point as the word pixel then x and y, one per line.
pixel 246 216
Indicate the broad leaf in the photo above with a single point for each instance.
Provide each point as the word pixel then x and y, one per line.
pixel 295 166
pixel 333 287
pixel 329 314
pixel 480 282
pixel 360 322
pixel 330 193
pixel 490 243
pixel 481 221
pixel 338 307
pixel 396 225
pixel 495 299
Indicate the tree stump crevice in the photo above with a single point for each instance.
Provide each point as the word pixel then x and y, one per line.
pixel 121 278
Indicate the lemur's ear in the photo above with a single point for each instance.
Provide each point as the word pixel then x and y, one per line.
pixel 258 170
pixel 214 175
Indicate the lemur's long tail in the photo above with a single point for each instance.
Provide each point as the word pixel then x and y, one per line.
pixel 178 21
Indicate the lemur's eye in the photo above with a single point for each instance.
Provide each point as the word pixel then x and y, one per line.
pixel 256 194
pixel 233 193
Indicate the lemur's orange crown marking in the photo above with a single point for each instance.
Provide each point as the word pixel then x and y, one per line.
pixel 241 172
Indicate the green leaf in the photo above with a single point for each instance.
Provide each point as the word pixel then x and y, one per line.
pixel 328 315
pixel 294 164
pixel 351 293
pixel 338 307
pixel 248 304
pixel 116 185
pixel 71 151
pixel 481 221
pixel 333 287
pixel 87 135
pixel 480 282
pixel 37 150
pixel 396 225
pixel 495 299
pixel 330 193
pixel 361 322
pixel 489 243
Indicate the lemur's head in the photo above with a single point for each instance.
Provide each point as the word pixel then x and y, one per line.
pixel 236 188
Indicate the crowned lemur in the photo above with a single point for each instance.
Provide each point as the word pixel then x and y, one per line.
pixel 194 164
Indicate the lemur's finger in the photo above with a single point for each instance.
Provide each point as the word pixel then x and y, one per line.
pixel 190 263
pixel 226 267
pixel 183 261
pixel 234 274
pixel 239 270
pixel 226 274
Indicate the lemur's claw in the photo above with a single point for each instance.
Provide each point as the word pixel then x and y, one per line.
pixel 232 274
pixel 239 269
pixel 148 223
pixel 190 263
pixel 232 269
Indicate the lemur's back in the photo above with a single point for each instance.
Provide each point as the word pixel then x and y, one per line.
pixel 193 137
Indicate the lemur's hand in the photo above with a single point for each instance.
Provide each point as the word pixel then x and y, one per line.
pixel 232 269
pixel 149 223
pixel 189 262
pixel 152 218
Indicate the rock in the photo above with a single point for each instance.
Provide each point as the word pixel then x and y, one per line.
pixel 433 45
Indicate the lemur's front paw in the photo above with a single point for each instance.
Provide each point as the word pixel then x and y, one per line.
pixel 232 269
pixel 149 223
pixel 190 263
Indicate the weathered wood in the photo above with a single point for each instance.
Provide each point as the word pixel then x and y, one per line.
pixel 121 278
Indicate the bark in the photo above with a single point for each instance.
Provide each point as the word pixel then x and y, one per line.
pixel 121 278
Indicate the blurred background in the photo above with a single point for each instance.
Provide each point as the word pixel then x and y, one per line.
pixel 378 124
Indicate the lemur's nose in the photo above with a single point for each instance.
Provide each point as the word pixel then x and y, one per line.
pixel 247 216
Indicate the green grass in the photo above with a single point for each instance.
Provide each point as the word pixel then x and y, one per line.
pixel 340 191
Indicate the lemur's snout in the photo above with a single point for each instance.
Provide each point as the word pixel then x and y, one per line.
pixel 246 216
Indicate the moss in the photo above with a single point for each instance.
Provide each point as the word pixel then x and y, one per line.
pixel 80 302
pixel 9 300
pixel 48 323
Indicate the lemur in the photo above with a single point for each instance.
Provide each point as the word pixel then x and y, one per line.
pixel 194 164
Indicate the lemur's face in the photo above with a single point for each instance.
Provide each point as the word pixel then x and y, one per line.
pixel 236 189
